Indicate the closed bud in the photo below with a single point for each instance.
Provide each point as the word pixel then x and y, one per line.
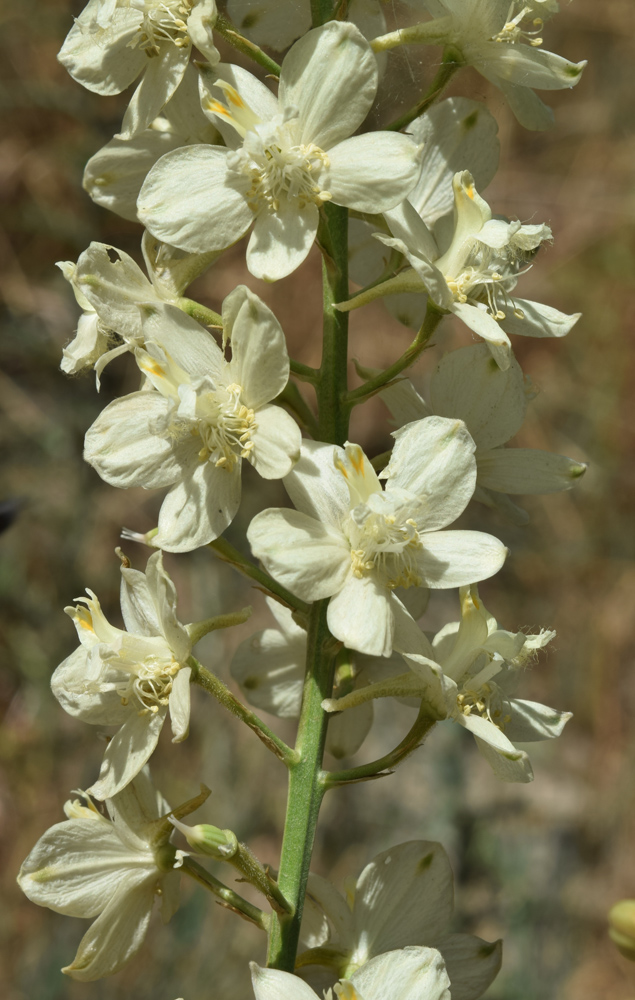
pixel 206 839
pixel 622 927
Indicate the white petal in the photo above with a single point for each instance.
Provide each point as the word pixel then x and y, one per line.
pixel 326 897
pixel 123 449
pixel 100 58
pixel 408 637
pixel 184 340
pixel 180 705
pixel 260 362
pixel 406 224
pixel 277 441
pixel 127 752
pixel 468 384
pixel 255 94
pixel 539 320
pixel 276 26
pixel 403 897
pixel 348 730
pixel 361 616
pixel 76 696
pixel 115 289
pixel 270 672
pixel 457 134
pixel 330 76
pixel 532 721
pixel 410 974
pixel 137 805
pixel 433 458
pixel 272 984
pixel 316 487
pixel 472 964
pixel 531 67
pixel 531 112
pixel 458 558
pixel 527 470
pixel 113 177
pixel 162 76
pixel 186 202
pixel 309 558
pixel 373 172
pixel 76 867
pixel 281 241
pixel 480 321
pixel 199 508
pixel 164 596
pixel 431 278
pixel 116 936
pixel 405 403
pixel 199 28
pixel 506 766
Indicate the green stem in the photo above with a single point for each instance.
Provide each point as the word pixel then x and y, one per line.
pixel 229 554
pixel 228 30
pixel 292 398
pixel 304 372
pixel 214 686
pixel 305 790
pixel 386 764
pixel 321 12
pixel 432 319
pixel 450 63
pixel 228 897
pixel 201 313
pixel 332 384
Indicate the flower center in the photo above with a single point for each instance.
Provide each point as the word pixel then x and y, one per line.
pixel 384 546
pixel 150 684
pixel 488 702
pixel 488 277
pixel 161 21
pixel 274 171
pixel 512 32
pixel 225 426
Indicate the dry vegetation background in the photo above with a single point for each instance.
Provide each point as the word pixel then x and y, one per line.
pixel 539 865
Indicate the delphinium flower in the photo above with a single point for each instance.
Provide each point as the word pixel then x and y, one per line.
pixel 475 668
pixel 114 41
pixel 285 157
pixel 200 418
pixel 502 41
pixel 468 385
pixel 113 294
pixel 132 677
pixel 405 974
pixel 474 272
pixel 404 897
pixel 111 867
pixel 354 542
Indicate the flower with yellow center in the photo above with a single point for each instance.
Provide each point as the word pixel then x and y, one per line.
pixel 114 41
pixel 354 542
pixel 199 417
pixel 284 156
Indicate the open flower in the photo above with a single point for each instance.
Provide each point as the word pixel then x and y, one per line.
pixel 404 897
pixel 502 41
pixel 113 294
pixel 200 419
pixel 475 667
pixel 286 156
pixel 129 678
pixel 407 974
pixel 355 543
pixel 114 41
pixel 474 275
pixel 110 867
pixel 467 385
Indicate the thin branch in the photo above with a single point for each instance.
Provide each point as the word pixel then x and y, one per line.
pixel 199 312
pixel 228 30
pixel 293 400
pixel 386 764
pixel 304 372
pixel 214 686
pixel 451 62
pixel 228 898
pixel 229 554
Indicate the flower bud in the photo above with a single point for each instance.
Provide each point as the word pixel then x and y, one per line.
pixel 622 927
pixel 207 839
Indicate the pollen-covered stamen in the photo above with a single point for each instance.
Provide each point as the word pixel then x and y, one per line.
pixel 149 684
pixel 384 546
pixel 485 276
pixel 512 32
pixel 162 21
pixel 274 171
pixel 225 426
pixel 487 701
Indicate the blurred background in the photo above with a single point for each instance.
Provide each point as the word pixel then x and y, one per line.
pixel 538 865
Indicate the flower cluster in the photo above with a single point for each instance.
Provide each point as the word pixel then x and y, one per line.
pixel 208 153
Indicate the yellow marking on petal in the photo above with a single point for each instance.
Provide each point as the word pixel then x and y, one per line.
pixel 469 190
pixel 154 370
pixel 218 108
pixel 346 991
